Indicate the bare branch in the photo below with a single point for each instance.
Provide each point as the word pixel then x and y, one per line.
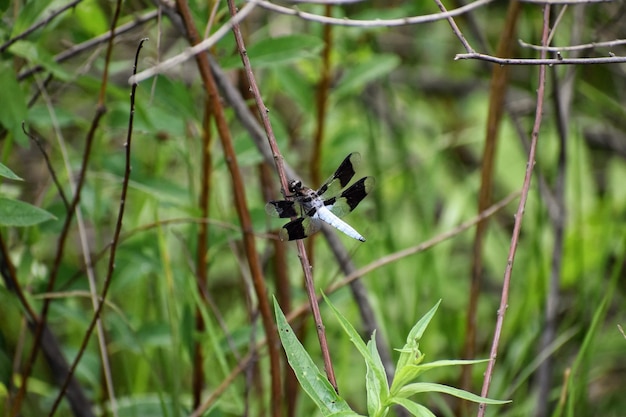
pixel 404 21
pixel 565 2
pixel 591 45
pixel 613 59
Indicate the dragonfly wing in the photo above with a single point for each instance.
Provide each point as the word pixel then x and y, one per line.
pixel 300 228
pixel 342 175
pixel 351 197
pixel 281 208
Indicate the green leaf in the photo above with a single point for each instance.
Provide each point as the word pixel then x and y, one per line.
pixel 20 214
pixel 410 354
pixel 421 387
pixel 276 51
pixel 312 381
pixel 376 380
pixel 360 75
pixel 38 55
pixel 91 18
pixel 414 408
pixel 7 173
pixel 410 372
pixel 27 15
pixel 453 362
pixel 13 112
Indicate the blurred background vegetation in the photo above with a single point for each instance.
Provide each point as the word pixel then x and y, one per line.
pixel 418 118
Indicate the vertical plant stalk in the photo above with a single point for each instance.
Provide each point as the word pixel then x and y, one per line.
pixel 278 159
pixel 562 92
pixel 321 102
pixel 497 97
pixel 202 277
pixel 519 214
pixel 114 241
pixel 238 188
pixel 321 107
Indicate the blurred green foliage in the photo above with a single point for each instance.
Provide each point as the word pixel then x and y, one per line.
pixel 418 119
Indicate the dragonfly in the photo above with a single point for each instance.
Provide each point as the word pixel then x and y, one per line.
pixel 324 205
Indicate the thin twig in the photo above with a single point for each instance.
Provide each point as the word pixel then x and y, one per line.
pixel 591 45
pixel 518 218
pixel 455 28
pixel 543 61
pixel 404 21
pixel 51 170
pixel 497 98
pixel 562 94
pixel 565 2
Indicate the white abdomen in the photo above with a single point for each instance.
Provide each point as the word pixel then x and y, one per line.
pixel 327 216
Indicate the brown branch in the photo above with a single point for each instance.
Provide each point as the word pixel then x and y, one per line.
pixel 518 218
pixel 614 59
pixel 51 170
pixel 238 187
pixel 202 266
pixel 279 162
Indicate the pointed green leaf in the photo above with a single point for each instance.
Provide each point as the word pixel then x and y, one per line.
pixel 376 379
pixel 7 173
pixel 37 55
pixel 410 354
pixel 20 214
pixel 312 381
pixel 409 372
pixel 421 387
pixel 13 111
pixel 453 362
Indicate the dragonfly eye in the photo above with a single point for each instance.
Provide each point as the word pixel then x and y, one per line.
pixel 294 186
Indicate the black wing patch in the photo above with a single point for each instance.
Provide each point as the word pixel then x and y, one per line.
pixel 351 197
pixel 299 228
pixel 281 208
pixel 342 175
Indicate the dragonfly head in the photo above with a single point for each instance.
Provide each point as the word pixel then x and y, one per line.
pixel 294 186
